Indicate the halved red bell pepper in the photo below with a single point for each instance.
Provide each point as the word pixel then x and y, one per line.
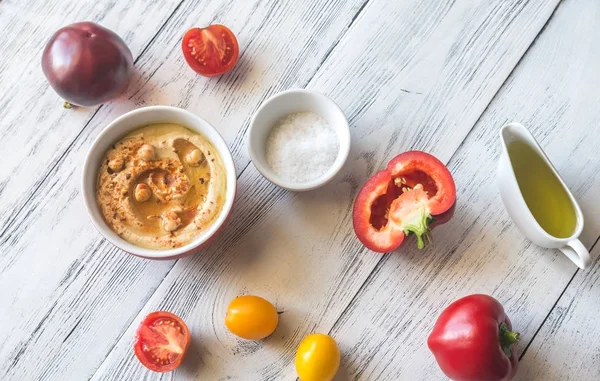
pixel 413 191
pixel 472 340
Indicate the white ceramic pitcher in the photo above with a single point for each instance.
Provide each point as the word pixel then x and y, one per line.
pixel 517 208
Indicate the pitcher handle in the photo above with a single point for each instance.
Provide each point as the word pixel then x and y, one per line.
pixel 577 253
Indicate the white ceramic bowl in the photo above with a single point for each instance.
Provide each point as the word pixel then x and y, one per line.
pixel 283 104
pixel 121 127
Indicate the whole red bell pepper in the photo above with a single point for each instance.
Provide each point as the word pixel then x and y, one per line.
pixel 472 340
pixel 414 190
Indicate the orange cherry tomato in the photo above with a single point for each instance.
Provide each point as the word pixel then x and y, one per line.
pixel 251 317
pixel 210 51
pixel 161 341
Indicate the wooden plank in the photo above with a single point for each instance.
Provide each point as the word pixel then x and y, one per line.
pixel 71 294
pixel 554 91
pixel 299 250
pixel 567 345
pixel 35 130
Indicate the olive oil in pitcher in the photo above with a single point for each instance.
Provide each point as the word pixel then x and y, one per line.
pixel 542 191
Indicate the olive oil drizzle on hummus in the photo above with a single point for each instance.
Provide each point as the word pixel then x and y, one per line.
pixel 194 190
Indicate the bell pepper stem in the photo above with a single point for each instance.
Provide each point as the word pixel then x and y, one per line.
pixel 508 338
pixel 420 229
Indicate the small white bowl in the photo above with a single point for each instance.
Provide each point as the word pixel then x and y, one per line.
pixel 121 127
pixel 289 102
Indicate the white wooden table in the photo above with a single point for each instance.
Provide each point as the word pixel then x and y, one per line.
pixel 436 75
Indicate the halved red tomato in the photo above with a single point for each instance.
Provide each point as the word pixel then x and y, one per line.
pixel 210 51
pixel 161 341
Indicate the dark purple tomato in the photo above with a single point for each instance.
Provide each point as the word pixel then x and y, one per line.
pixel 87 64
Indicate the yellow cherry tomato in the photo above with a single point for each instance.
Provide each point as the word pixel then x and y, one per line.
pixel 251 317
pixel 317 358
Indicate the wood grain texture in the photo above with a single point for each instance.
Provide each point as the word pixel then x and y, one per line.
pixel 567 347
pixel 35 129
pixel 553 91
pixel 71 294
pixel 299 250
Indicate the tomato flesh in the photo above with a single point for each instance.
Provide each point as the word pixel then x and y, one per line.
pixel 161 341
pixel 210 51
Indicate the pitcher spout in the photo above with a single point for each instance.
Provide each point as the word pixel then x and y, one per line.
pixel 516 132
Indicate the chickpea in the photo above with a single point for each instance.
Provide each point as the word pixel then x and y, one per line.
pixel 146 152
pixel 116 164
pixel 193 157
pixel 170 221
pixel 142 192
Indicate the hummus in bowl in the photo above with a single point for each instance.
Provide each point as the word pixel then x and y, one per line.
pixel 159 182
pixel 161 186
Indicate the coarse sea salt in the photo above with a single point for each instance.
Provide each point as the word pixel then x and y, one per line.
pixel 301 147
